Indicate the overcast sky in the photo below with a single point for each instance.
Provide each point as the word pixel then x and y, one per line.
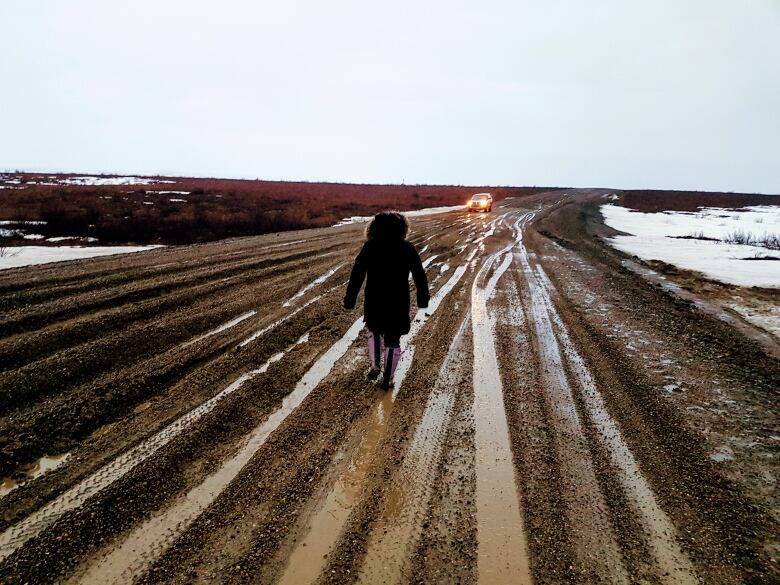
pixel 617 93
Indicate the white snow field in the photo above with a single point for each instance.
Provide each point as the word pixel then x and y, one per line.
pixel 656 236
pixel 14 257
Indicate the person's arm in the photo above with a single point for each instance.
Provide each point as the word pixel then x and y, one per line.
pixel 356 279
pixel 420 279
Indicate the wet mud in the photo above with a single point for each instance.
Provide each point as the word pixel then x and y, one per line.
pixel 218 426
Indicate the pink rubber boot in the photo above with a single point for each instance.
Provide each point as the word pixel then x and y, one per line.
pixel 374 355
pixel 392 355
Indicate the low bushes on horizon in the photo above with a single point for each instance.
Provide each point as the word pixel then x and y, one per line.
pixel 215 208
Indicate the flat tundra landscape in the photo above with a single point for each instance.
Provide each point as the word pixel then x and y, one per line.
pixel 569 408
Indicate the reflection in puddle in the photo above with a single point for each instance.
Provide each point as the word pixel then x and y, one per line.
pixel 32 471
pixel 406 501
pixel 502 550
pixel 307 560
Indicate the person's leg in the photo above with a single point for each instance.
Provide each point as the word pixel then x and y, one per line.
pixel 374 354
pixel 392 356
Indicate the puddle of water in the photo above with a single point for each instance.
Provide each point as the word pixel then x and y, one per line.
pixel 151 539
pixel 310 556
pixel 221 328
pixel 428 260
pixel 502 550
pixel 328 523
pixel 671 388
pixel 144 406
pixel 723 453
pixel 407 499
pixel 32 471
pixel 19 534
pixel 315 283
pixel 275 324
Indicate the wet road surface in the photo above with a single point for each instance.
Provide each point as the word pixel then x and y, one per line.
pixel 210 420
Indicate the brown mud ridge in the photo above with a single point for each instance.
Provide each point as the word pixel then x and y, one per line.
pixel 558 417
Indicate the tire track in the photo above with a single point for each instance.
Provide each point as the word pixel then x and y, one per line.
pixel 19 534
pixel 502 550
pixel 38 286
pixel 315 283
pixel 234 273
pixel 83 361
pixel 673 565
pixel 148 541
pixel 308 558
pixel 592 534
pixel 60 338
pixel 400 525
pixel 150 446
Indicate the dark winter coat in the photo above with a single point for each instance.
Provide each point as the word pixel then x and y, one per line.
pixel 386 264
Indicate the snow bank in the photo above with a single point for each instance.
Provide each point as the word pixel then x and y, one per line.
pixel 416 213
pixel 64 238
pixel 112 181
pixel 765 316
pixel 21 222
pixel 653 238
pixel 29 255
pixel 713 222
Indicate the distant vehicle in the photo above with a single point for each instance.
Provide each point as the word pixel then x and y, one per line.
pixel 480 202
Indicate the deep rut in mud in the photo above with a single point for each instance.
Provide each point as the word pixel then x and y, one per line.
pixel 227 432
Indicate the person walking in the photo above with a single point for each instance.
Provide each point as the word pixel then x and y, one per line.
pixel 385 262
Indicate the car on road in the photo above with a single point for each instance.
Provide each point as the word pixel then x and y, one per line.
pixel 480 202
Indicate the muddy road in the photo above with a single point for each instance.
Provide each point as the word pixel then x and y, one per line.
pixel 202 415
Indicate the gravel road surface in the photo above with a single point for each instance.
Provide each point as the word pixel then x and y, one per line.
pixel 559 416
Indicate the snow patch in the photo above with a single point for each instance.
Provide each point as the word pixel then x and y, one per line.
pixel 91 180
pixel 655 236
pixel 30 255
pixel 167 192
pixel 64 238
pixel 724 453
pixel 765 316
pixel 20 222
pixel 416 213
pixel 671 388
